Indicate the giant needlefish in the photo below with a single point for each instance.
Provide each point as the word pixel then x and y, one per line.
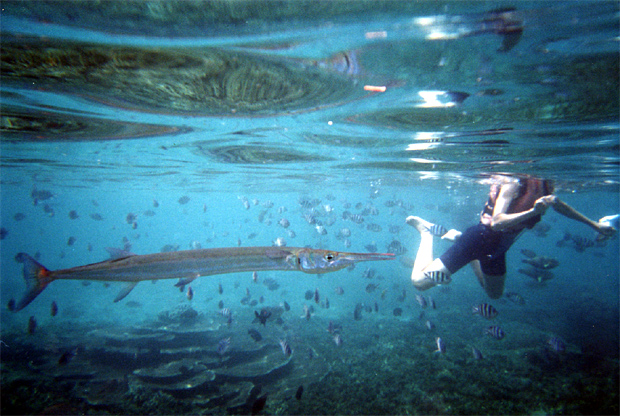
pixel 188 265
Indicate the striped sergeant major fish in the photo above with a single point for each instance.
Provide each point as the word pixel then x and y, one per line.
pixel 437 230
pixel 438 277
pixel 485 310
pixel 556 344
pixel 188 265
pixel 495 332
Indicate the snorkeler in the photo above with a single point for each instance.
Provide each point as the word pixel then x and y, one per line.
pixel 515 204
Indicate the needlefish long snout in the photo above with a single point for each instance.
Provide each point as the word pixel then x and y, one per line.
pixel 188 265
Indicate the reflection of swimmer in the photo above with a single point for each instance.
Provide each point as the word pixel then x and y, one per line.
pixel 505 22
pixel 514 205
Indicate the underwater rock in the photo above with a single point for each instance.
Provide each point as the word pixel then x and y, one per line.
pixel 182 375
pixel 133 337
pixel 255 364
pixel 170 373
pixel 183 314
pixel 101 392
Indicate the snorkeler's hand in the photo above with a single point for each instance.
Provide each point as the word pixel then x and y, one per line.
pixel 605 231
pixel 542 203
pixel 452 235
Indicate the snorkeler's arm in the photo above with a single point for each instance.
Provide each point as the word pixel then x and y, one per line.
pixel 566 210
pixel 501 220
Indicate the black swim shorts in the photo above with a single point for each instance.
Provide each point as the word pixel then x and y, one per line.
pixel 480 242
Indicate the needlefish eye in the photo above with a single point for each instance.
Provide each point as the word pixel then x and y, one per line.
pixel 330 256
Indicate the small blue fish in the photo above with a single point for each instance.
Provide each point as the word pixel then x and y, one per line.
pixel 32 325
pixel 476 353
pixel 441 345
pixel 223 346
pixel 515 298
pixel 256 336
pixel 306 315
pixel 67 356
pixel 556 344
pixel 495 331
pixel 485 310
pixel 421 301
pixel 286 349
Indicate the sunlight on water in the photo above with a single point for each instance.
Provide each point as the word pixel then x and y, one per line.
pixel 159 127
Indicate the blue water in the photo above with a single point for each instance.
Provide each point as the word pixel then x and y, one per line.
pixel 258 112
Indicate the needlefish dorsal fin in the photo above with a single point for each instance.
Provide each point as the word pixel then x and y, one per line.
pixel 118 254
pixel 125 291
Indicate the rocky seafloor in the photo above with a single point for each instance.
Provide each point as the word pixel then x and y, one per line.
pixel 385 365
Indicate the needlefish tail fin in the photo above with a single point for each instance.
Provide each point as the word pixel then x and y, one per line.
pixel 37 278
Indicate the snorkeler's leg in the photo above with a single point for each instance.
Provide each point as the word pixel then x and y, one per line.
pixel 492 285
pixel 424 257
pixel 424 262
pixel 432 275
pixel 475 265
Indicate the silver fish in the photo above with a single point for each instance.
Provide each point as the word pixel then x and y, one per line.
pixel 188 265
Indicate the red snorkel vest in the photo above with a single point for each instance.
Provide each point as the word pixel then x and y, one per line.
pixel 530 189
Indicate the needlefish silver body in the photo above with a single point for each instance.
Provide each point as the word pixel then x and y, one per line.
pixel 188 265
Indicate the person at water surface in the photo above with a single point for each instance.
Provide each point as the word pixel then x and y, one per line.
pixel 514 205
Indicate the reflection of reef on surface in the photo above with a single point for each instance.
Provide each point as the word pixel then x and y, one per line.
pixel 257 154
pixel 203 17
pixel 19 125
pixel 583 90
pixel 194 81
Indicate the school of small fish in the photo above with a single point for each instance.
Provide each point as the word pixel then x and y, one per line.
pixel 350 224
